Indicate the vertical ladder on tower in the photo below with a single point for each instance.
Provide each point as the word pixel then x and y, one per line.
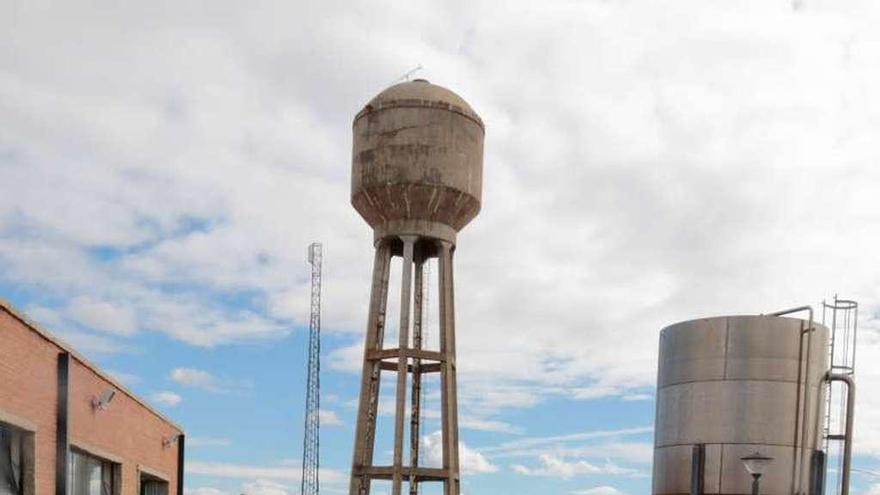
pixel 841 318
pixel 416 488
pixel 311 443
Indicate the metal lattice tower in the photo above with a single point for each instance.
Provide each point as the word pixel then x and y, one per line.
pixel 311 439
pixel 417 168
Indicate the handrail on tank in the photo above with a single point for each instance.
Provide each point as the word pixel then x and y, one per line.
pixel 793 310
pixel 843 304
pixel 848 431
pixel 802 423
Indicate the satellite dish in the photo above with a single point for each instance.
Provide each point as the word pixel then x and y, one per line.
pixel 100 402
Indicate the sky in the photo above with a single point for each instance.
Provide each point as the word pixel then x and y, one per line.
pixel 164 166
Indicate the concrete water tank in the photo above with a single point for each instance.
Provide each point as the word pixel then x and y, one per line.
pixel 734 385
pixel 417 162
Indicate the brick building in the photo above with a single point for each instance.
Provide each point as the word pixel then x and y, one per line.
pixel 68 428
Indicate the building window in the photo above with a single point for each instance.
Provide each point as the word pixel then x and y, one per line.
pixel 151 485
pixel 91 475
pixel 12 460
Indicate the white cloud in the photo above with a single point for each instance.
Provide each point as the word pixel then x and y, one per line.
pixel 637 452
pixel 166 398
pixel 470 460
pixel 553 453
pixel 128 379
pixel 553 466
pixel 593 392
pixel 347 358
pixel 283 471
pixel 45 316
pixel 251 487
pixel 473 462
pixel 329 418
pixel 631 452
pixel 637 397
pixel 204 490
pixel 102 315
pixel 482 424
pixel 90 343
pixel 599 490
pixel 208 442
pixel 196 378
pixel 520 444
pixel 266 487
pixel 83 341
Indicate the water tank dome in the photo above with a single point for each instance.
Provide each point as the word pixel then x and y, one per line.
pixel 422 92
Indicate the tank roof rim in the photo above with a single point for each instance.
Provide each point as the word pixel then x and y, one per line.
pixel 741 315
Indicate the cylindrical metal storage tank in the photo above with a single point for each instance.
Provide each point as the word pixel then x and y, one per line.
pixel 736 385
pixel 417 161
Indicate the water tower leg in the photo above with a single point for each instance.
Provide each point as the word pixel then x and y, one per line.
pixel 449 401
pixel 402 363
pixel 369 395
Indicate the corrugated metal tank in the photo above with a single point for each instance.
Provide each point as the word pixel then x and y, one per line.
pixel 735 385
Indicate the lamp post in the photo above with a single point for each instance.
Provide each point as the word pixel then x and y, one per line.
pixel 756 464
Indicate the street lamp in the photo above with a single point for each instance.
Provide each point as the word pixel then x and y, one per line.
pixel 756 464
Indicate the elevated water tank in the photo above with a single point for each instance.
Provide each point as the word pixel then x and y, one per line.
pixel 417 161
pixel 734 385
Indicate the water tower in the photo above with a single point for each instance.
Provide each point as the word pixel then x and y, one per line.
pixel 417 169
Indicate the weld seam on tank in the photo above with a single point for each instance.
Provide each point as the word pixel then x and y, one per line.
pixel 726 344
pixel 690 444
pixel 713 380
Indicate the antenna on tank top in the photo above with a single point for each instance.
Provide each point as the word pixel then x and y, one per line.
pixel 407 75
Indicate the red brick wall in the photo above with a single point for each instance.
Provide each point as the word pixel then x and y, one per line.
pixel 126 429
pixel 28 389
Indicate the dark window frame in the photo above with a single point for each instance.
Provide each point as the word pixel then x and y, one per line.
pixel 110 472
pixel 148 477
pixel 10 435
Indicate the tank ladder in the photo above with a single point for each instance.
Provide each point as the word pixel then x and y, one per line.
pixel 841 317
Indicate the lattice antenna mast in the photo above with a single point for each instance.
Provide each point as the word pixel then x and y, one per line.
pixel 311 443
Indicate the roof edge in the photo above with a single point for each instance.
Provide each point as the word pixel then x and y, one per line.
pixel 20 316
